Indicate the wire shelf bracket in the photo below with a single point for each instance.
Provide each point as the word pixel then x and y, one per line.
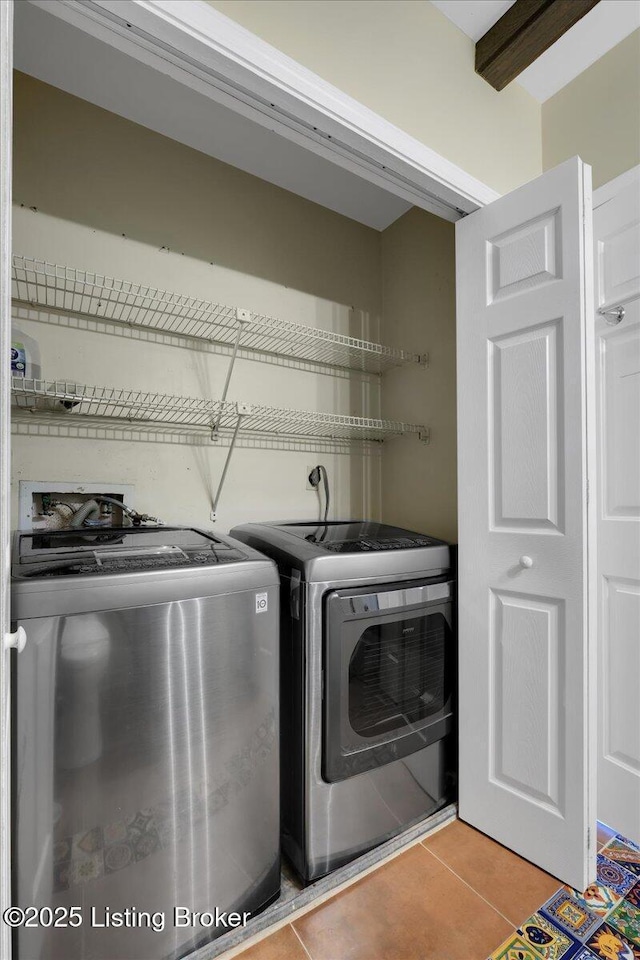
pixel 243 317
pixel 243 409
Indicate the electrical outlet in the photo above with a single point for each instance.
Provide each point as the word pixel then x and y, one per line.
pixel 309 486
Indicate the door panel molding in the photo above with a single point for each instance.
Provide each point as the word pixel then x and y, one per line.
pixel 526 257
pixel 620 397
pixel 618 264
pixel 527 755
pixel 621 670
pixel 528 494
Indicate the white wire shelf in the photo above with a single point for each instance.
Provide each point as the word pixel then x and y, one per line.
pixel 65 398
pixel 44 285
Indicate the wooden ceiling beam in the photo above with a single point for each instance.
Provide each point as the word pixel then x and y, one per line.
pixel 526 30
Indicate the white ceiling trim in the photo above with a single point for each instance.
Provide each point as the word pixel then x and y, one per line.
pixel 194 43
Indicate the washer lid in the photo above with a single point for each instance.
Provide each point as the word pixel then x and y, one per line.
pixel 113 550
pixel 357 536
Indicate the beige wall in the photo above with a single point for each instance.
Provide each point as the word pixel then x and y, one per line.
pixel 406 61
pixel 597 115
pixel 99 193
pixel 418 284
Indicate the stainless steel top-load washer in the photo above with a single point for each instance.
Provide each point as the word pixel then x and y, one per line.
pixel 367 683
pixel 146 740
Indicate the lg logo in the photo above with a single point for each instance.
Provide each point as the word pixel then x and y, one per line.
pixel 262 602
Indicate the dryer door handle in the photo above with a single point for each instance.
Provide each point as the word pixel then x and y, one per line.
pixel 406 597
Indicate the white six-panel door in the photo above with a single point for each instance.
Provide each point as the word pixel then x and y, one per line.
pixel 526 637
pixel 616 228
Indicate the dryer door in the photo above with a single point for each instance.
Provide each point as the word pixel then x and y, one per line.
pixel 389 669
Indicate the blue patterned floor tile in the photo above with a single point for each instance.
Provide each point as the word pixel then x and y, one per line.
pixel 614 876
pixel 570 915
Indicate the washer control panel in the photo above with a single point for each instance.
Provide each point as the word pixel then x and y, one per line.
pixel 116 550
pixel 363 545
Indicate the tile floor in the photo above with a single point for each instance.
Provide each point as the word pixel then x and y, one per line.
pixel 599 923
pixel 456 895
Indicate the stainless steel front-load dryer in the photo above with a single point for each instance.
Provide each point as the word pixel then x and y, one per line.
pixel 368 667
pixel 146 740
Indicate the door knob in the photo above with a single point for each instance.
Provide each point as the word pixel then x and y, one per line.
pixel 526 562
pixel 613 316
pixel 16 640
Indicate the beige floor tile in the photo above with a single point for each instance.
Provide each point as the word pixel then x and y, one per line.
pixel 281 945
pixel 412 908
pixel 514 886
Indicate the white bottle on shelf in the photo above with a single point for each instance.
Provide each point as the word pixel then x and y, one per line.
pixel 25 355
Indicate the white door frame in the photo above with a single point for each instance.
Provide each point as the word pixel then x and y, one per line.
pixel 201 48
pixel 6 88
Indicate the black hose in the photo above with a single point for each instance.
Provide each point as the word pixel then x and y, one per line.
pixel 314 480
pixel 326 492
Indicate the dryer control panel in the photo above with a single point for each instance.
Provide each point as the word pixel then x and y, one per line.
pixel 339 536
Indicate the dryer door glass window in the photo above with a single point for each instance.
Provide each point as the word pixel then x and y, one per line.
pixel 397 675
pixel 388 675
